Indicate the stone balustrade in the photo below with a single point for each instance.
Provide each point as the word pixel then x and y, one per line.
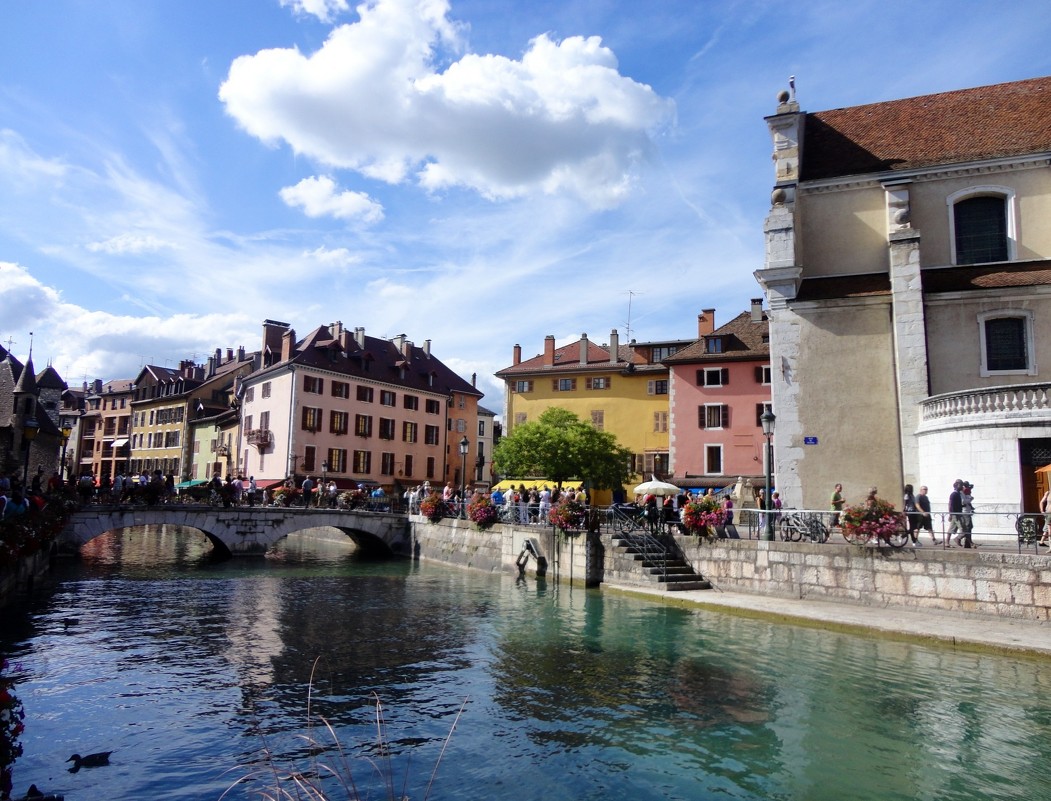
pixel 994 403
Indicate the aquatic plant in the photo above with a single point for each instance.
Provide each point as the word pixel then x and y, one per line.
pixel 279 783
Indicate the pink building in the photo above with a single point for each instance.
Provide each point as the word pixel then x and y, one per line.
pixel 719 389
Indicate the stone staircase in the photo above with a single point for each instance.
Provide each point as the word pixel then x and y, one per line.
pixel 657 563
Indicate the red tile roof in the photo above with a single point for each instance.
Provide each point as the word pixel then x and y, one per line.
pixel 987 276
pixel 987 122
pixel 742 339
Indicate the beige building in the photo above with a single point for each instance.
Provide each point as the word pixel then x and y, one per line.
pixel 908 278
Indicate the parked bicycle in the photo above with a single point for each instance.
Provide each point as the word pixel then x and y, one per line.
pixel 797 526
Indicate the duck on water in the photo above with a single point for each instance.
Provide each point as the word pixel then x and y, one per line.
pixel 89 761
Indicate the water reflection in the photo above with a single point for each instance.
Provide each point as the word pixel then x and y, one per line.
pixel 186 667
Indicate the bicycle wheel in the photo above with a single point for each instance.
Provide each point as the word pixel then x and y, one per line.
pixel 790 528
pixel 900 536
pixel 817 530
pixel 854 536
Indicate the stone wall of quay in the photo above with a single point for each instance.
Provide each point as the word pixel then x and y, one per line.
pixel 19 578
pixel 1002 585
pixel 997 584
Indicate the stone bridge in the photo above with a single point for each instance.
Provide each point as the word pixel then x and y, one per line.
pixel 243 530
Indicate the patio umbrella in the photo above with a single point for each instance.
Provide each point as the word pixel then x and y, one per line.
pixel 655 487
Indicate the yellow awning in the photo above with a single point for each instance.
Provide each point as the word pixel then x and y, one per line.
pixel 535 483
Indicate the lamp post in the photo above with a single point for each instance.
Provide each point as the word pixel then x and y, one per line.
pixel 324 483
pixel 29 431
pixel 464 447
pixel 767 419
pixel 66 431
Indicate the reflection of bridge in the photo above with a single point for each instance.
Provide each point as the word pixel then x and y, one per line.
pixel 243 530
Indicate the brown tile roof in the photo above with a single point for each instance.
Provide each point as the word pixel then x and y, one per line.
pixel 844 286
pixel 987 276
pixel 742 339
pixel 987 122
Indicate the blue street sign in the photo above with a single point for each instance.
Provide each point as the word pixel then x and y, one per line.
pixel 810 440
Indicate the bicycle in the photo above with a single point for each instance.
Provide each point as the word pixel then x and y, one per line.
pixel 794 526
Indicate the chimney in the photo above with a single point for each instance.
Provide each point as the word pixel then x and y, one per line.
pixel 272 331
pixel 211 367
pixel 516 358
pixel 359 336
pixel 406 349
pixel 583 348
pixel 705 322
pixel 229 354
pixel 344 339
pixel 474 379
pixel 614 346
pixel 241 353
pixel 288 341
pixel 549 350
pixel 427 348
pixel 399 342
pixel 757 310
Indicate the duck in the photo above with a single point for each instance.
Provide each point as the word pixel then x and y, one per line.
pixel 89 761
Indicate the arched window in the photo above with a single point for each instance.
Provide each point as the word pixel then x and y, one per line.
pixel 982 223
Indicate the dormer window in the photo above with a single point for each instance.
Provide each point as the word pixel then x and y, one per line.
pixel 713 345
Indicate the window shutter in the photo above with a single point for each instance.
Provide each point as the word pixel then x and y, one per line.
pixel 650 388
pixel 609 383
pixel 700 417
pixel 554 385
pixel 724 412
pixel 725 374
pixel 587 383
pixel 573 384
pixel 758 375
pixel 700 378
pixel 759 415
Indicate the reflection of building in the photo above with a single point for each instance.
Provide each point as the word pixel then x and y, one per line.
pixel 720 387
pixel 352 408
pixel 909 283
pixel 622 389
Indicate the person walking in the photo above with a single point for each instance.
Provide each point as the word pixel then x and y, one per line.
pixel 966 516
pixel 923 505
pixel 908 505
pixel 955 510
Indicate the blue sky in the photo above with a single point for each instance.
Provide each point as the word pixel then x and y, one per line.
pixel 478 173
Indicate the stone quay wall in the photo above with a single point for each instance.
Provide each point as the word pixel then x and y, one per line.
pixel 19 578
pixel 1003 585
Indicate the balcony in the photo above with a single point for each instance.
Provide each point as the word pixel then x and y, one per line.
pixel 260 437
pixel 222 450
pixel 1022 404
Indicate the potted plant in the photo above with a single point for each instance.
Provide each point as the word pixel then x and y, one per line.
pixel 482 513
pixel 568 516
pixel 700 516
pixel 432 507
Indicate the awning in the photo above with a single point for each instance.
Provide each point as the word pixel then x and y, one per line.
pixel 535 483
pixel 268 483
pixel 120 443
pixel 187 484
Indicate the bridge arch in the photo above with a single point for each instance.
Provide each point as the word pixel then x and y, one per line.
pixel 243 531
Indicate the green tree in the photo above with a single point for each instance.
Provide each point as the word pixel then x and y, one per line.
pixel 559 446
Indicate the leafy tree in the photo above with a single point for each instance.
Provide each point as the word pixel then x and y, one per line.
pixel 558 445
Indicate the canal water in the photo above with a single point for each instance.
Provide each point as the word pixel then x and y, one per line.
pixel 199 674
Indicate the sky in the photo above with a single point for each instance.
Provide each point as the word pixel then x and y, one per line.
pixel 479 173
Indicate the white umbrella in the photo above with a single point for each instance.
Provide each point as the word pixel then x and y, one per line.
pixel 655 487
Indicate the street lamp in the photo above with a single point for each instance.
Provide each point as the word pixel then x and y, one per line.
pixel 464 447
pixel 29 431
pixel 66 431
pixel 324 482
pixel 767 419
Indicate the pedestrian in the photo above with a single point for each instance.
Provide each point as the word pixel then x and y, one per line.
pixel 908 505
pixel 308 490
pixel 955 510
pixel 837 504
pixel 252 489
pixel 966 516
pixel 1045 507
pixel 923 505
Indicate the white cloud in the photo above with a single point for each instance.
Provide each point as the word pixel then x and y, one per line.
pixel 335 257
pixel 373 99
pixel 320 197
pixel 130 243
pixel 324 10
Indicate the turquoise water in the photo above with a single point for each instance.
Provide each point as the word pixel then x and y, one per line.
pixel 195 673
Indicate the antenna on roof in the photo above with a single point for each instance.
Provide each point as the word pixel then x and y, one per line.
pixel 627 325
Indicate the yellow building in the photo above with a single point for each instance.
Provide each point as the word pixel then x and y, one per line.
pixel 622 389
